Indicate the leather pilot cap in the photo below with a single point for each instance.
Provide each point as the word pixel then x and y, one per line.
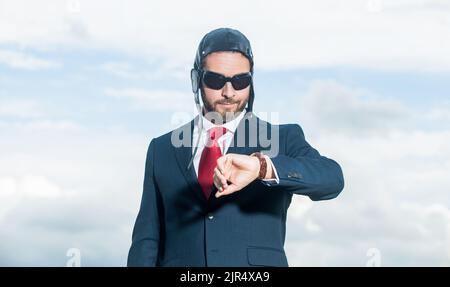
pixel 218 40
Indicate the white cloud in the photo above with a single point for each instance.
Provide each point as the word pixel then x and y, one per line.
pixel 395 197
pixel 20 108
pixel 164 71
pixel 21 60
pixel 68 189
pixel 335 108
pixel 312 227
pixel 408 230
pixel 440 114
pixel 13 190
pixel 284 34
pixel 154 100
pixel 40 126
pixel 38 186
pixel 121 69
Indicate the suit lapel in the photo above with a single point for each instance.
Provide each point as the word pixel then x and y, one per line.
pixel 240 146
pixel 183 155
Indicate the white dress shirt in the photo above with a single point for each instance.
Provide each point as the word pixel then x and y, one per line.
pixel 224 141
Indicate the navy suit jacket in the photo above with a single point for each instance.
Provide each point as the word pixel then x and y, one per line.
pixel 177 226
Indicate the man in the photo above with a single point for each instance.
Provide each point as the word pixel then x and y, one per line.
pixel 221 197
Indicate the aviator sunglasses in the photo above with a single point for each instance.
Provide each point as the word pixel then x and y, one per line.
pixel 216 81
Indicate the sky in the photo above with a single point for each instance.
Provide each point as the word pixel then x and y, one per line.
pixel 85 86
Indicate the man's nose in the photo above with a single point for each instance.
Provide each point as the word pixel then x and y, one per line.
pixel 228 90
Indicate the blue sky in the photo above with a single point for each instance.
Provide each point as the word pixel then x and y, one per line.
pixel 84 86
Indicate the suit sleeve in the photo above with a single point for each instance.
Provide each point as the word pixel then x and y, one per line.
pixel 302 170
pixel 146 232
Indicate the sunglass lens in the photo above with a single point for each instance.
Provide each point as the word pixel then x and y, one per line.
pixel 241 82
pixel 214 81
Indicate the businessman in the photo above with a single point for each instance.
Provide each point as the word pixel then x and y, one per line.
pixel 217 190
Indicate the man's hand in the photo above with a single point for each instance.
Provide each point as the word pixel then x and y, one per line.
pixel 234 172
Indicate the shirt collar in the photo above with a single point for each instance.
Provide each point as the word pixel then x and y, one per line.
pixel 231 126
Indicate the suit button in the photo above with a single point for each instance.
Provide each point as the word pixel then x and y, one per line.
pixel 210 216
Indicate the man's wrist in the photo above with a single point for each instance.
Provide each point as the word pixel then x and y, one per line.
pixel 263 166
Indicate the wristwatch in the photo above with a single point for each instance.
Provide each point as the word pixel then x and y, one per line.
pixel 262 164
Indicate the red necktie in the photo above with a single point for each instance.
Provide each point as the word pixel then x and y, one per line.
pixel 208 160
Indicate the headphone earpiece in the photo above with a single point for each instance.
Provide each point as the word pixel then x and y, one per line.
pixel 195 81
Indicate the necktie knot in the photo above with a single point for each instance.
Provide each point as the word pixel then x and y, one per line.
pixel 216 133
